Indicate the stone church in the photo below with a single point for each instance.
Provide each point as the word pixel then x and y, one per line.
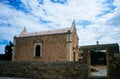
pixel 47 46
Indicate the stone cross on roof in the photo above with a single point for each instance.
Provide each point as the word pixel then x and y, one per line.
pixel 97 42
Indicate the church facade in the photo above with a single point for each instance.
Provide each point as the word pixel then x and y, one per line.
pixel 47 46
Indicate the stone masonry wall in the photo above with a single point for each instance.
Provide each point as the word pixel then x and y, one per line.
pixel 54 48
pixel 74 45
pixel 114 67
pixel 54 70
pixel 48 70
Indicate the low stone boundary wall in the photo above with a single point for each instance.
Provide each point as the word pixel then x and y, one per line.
pixel 44 70
pixel 114 69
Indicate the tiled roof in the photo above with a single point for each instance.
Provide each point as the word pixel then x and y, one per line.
pixel 58 31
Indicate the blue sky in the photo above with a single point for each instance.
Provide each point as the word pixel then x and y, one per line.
pixel 95 19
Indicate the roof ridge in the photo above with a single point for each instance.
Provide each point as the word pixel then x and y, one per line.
pixel 47 32
pixel 52 30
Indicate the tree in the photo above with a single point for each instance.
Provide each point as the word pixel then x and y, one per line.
pixel 8 51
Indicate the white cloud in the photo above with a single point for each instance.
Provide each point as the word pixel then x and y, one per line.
pixel 78 10
pixel 102 33
pixel 62 15
pixel 116 3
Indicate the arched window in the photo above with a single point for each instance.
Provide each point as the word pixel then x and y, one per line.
pixel 37 51
pixel 38 48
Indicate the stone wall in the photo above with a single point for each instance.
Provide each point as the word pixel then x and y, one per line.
pixel 53 48
pixel 48 70
pixel 74 46
pixel 55 70
pixel 114 67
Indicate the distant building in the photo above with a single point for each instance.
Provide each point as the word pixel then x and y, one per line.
pixel 110 48
pixel 99 57
pixel 47 46
pixel 114 47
